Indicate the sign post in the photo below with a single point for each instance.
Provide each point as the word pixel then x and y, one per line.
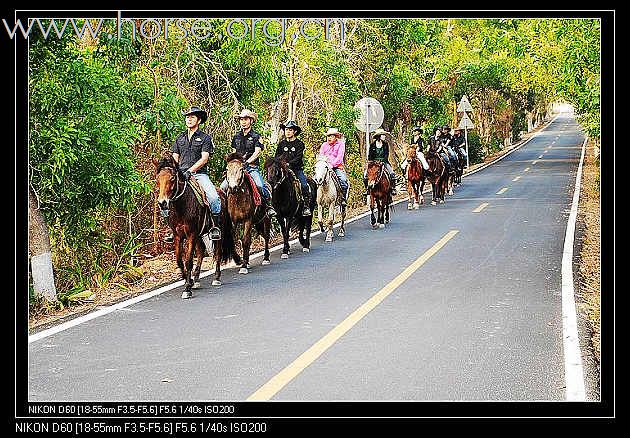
pixel 465 123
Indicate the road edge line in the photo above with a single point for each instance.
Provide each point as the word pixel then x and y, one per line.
pixel 573 368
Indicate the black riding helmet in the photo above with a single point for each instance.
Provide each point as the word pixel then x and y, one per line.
pixel 448 128
pixel 418 129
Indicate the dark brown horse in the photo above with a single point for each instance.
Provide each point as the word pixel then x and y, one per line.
pixel 189 220
pixel 380 193
pixel 415 179
pixel 284 185
pixel 243 209
pixel 438 177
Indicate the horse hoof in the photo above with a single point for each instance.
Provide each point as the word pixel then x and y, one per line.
pixel 197 285
pixel 265 263
pixel 374 226
pixel 329 237
pixel 341 233
pixel 216 282
pixel 409 206
pixel 441 201
pixel 283 256
pixel 433 202
pixel 381 225
pixel 243 271
pixel 187 294
pixel 416 206
pixel 306 250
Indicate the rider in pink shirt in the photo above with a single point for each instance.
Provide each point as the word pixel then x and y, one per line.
pixel 334 149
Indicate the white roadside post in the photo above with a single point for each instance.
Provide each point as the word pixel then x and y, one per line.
pixel 465 123
pixel 370 118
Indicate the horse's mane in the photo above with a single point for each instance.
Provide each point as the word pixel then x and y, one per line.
pixel 234 156
pixel 276 161
pixel 167 162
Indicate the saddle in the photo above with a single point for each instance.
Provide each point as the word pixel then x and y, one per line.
pixel 335 180
pixel 199 192
pixel 255 192
pixel 297 187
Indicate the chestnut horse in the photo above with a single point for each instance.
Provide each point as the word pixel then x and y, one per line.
pixel 189 220
pixel 243 210
pixel 379 189
pixel 438 177
pixel 415 179
pixel 288 205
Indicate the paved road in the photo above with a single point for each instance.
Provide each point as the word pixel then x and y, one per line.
pixel 479 320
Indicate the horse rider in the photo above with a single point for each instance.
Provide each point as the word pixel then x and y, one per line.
pixel 334 149
pixel 379 151
pixel 291 150
pixel 459 144
pixel 418 142
pixel 436 145
pixel 191 151
pixel 247 142
pixel 447 141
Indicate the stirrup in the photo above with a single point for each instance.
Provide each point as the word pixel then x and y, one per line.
pixel 306 211
pixel 215 233
pixel 270 212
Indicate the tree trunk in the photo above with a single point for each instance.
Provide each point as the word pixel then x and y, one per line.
pixel 39 251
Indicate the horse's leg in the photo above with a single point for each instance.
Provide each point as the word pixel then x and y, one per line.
pixel 306 229
pixel 422 190
pixel 284 227
pixel 387 212
pixel 188 264
pixel 342 228
pixel 218 255
pixel 320 220
pixel 178 254
pixel 199 250
pixel 409 194
pixel 247 241
pixel 265 233
pixel 329 224
pixel 381 211
pixel 372 217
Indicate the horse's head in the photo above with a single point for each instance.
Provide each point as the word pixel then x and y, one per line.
pixel 168 177
pixel 411 154
pixel 277 171
pixel 374 173
pixel 235 172
pixel 321 169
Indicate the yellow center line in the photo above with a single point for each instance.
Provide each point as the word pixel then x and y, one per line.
pixel 535 161
pixel 526 169
pixel 540 156
pixel 280 380
pixel 481 207
pixel 545 151
pixel 517 178
pixel 502 191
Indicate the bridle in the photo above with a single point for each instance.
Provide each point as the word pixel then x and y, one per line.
pixel 380 174
pixel 328 170
pixel 284 176
pixel 241 178
pixel 178 194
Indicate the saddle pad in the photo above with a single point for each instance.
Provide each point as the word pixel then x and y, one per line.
pixel 256 193
pixel 199 192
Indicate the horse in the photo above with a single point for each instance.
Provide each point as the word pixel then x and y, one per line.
pixel 379 187
pixel 189 220
pixel 461 161
pixel 243 210
pixel 438 177
pixel 288 206
pixel 329 195
pixel 416 177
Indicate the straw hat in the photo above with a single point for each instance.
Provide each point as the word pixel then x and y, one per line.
pixel 380 131
pixel 333 131
pixel 247 113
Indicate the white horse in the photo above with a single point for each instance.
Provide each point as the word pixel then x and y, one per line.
pixel 328 196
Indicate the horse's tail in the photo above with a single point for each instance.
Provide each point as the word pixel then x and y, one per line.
pixel 228 248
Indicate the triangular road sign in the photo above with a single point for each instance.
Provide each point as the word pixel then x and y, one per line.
pixel 465 122
pixel 464 105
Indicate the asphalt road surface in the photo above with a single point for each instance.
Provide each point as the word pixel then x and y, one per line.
pixel 476 318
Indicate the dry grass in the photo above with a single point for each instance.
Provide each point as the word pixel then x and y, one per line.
pixel 589 292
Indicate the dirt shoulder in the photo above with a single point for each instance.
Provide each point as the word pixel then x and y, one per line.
pixel 588 292
pixel 159 271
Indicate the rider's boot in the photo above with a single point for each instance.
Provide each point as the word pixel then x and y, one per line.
pixel 306 200
pixel 270 210
pixel 215 231
pixel 394 190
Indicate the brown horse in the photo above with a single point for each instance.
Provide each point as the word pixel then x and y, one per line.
pixel 189 220
pixel 379 189
pixel 438 177
pixel 243 209
pixel 415 178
